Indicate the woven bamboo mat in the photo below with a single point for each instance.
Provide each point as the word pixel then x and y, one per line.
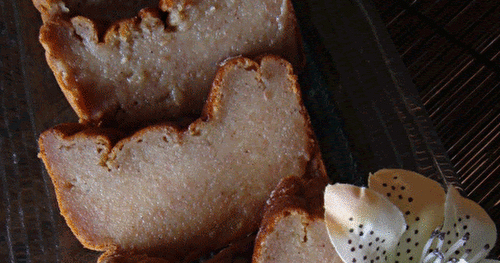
pixel 452 49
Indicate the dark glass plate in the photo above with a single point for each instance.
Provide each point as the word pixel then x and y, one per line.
pixel 363 106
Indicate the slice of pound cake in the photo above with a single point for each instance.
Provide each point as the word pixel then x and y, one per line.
pixel 293 228
pixel 176 192
pixel 159 64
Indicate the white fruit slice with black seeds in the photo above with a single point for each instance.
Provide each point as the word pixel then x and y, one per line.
pixel 468 232
pixel 422 202
pixel 362 224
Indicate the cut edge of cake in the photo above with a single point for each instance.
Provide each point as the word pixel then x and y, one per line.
pixel 110 138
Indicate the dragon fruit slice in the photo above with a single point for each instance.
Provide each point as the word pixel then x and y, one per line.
pixel 406 217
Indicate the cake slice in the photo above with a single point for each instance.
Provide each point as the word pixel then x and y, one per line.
pixel 159 64
pixel 293 228
pixel 182 192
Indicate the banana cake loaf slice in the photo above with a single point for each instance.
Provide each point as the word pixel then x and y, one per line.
pixel 159 64
pixel 293 228
pixel 175 192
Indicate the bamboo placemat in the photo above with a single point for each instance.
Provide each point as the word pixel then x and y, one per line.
pixel 452 49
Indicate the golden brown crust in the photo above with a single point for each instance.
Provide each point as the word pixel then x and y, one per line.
pixel 112 256
pixel 293 195
pixel 111 141
pixel 94 10
pixel 49 8
pixel 168 5
pixel 49 34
